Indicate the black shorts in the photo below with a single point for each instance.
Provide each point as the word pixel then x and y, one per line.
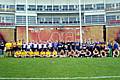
pixel 83 55
pixel 45 49
pixel 8 50
pixel 34 49
pixel 39 49
pixel 24 49
pixel 18 48
pixel 27 49
pixel 59 49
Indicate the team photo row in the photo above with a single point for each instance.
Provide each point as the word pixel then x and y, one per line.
pixel 21 49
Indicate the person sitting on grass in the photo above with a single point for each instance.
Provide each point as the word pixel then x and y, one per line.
pixel 23 54
pixel 42 53
pixel 54 53
pixel 62 53
pixel 19 44
pixel 36 53
pixel 17 54
pixel 82 53
pixel 88 53
pixel 48 53
pixel 96 53
pixel 30 53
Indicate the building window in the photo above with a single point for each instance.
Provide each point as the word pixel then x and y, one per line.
pixel 40 20
pixel 40 8
pixel 20 20
pixel 97 19
pixel 10 19
pixel 64 7
pixel 110 6
pixel 56 20
pixel 99 6
pixel 88 19
pixel 48 8
pixel 65 20
pixel 10 8
pixel 110 17
pixel 88 7
pixel 82 7
pixel 32 7
pixel 20 7
pixel 72 20
pixel 71 7
pixel 118 5
pixel 101 18
pixel 31 19
pixel 48 20
pixel 56 8
pixel 2 7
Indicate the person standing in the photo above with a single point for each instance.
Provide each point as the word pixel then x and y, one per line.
pixel 110 49
pixel 2 46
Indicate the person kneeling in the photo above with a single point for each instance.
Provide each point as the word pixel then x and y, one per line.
pixel 54 53
pixel 48 53
pixel 17 54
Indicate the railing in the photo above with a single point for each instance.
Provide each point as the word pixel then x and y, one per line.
pixel 6 10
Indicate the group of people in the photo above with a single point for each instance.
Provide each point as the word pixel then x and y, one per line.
pixel 60 49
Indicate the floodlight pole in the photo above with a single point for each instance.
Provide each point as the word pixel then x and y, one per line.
pixel 81 40
pixel 26 23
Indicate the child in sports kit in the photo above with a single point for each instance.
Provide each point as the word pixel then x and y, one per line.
pixel 83 50
pixel 2 46
pixel 34 46
pixel 17 54
pixel 42 53
pixel 54 53
pixel 23 54
pixel 28 48
pixel 8 47
pixel 14 46
pixel 36 53
pixel 45 46
pixel 96 53
pixel 59 46
pixel 31 53
pixel 40 47
pixel 24 46
pixel 65 47
pixel 50 46
pixel 55 46
pixel 48 53
pixel 19 44
pixel 73 45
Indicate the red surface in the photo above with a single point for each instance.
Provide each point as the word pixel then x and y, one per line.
pixel 49 35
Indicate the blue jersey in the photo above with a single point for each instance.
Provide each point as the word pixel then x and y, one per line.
pixel 109 46
pixel 116 46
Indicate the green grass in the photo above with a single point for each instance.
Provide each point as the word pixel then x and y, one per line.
pixel 59 67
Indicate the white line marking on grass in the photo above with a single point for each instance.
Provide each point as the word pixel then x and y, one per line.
pixel 62 78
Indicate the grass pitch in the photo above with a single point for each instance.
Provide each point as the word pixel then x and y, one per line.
pixel 60 68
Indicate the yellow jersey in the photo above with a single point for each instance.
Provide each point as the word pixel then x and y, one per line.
pixel 48 53
pixel 19 43
pixel 42 53
pixel 23 53
pixel 17 53
pixel 54 52
pixel 36 53
pixel 30 53
pixel 8 45
pixel 14 44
